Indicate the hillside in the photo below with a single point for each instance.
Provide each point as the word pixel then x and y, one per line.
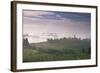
pixel 64 43
pixel 64 48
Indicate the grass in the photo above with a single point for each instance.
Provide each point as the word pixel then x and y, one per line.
pixel 30 55
pixel 57 49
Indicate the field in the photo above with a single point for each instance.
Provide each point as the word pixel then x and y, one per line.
pixel 56 50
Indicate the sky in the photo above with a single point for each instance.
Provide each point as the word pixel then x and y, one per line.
pixel 38 26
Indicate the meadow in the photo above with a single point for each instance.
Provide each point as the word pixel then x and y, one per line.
pixel 57 50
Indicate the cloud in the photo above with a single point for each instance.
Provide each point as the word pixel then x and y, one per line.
pixel 32 16
pixel 56 15
pixel 36 13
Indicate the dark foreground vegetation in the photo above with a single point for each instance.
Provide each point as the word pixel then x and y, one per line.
pixel 56 50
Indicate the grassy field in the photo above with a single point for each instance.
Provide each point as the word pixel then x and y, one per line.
pixel 56 50
pixel 34 56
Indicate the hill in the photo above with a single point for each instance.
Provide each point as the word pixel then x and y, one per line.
pixel 62 49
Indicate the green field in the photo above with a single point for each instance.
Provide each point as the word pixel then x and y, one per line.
pixel 56 50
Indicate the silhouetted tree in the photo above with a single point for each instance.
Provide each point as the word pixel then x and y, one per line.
pixel 26 43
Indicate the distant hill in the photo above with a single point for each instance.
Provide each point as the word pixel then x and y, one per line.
pixel 63 44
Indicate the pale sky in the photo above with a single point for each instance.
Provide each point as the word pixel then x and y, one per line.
pixel 40 25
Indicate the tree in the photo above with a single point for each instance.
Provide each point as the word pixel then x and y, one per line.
pixel 25 43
